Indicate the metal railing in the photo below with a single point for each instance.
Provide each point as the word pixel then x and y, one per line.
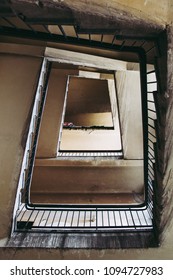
pixel 31 144
pixel 111 154
pixel 152 135
pixel 93 219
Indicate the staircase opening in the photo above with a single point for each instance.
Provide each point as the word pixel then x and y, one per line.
pixel 92 172
pixel 87 124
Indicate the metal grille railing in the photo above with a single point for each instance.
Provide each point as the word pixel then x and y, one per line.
pixel 68 32
pixel 116 154
pixel 29 155
pixel 96 219
pixel 152 137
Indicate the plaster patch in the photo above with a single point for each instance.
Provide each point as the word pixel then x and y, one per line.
pixel 3 242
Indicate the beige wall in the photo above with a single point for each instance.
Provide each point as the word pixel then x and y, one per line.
pixel 18 75
pixel 129 97
pixel 51 120
pixel 86 95
pixel 158 10
pixel 87 176
pixel 92 140
pixel 80 57
pixel 89 119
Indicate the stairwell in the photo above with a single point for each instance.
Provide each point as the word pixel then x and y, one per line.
pixel 94 197
pixel 94 177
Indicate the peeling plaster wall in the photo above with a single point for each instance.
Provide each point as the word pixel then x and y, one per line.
pixel 146 7
pixel 118 15
pixel 170 13
pixel 167 191
pixel 141 8
pixel 76 254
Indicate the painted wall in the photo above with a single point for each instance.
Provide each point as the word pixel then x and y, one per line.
pixel 18 76
pixel 129 97
pixel 92 140
pixel 91 119
pixel 51 120
pixel 86 95
pixel 52 178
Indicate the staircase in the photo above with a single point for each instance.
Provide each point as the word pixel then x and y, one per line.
pixel 96 203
